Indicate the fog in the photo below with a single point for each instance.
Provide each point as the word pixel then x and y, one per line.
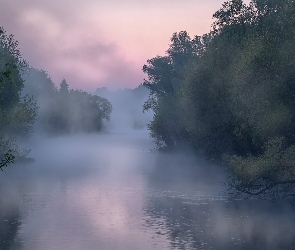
pixel 85 186
pixel 209 165
pixel 127 113
pixel 111 191
pixel 108 188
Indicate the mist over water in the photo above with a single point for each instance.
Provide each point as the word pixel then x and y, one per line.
pixel 110 191
pixel 93 178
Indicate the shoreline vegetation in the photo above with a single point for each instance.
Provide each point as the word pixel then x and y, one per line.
pixel 30 101
pixel 228 96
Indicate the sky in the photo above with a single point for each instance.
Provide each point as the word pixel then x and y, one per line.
pixel 97 43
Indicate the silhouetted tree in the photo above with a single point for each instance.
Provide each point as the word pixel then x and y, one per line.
pixel 231 97
pixel 17 113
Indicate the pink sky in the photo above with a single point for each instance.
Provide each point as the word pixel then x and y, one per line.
pixel 98 43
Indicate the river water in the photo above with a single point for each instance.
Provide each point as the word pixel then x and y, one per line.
pixel 112 192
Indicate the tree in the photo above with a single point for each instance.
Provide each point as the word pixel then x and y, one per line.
pixel 165 76
pixel 241 97
pixel 87 111
pixel 231 97
pixel 17 113
pixel 64 87
pixel 270 174
pixel 65 110
pixel 233 12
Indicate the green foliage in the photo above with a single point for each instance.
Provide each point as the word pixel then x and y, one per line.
pixel 17 113
pixel 272 173
pixel 237 90
pixel 233 13
pixel 166 127
pixel 165 75
pixel 234 95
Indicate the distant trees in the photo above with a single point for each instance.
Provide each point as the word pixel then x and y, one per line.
pixel 126 103
pixel 230 96
pixel 65 110
pixel 17 113
pixel 60 111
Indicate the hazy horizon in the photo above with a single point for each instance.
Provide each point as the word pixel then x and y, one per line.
pixel 100 44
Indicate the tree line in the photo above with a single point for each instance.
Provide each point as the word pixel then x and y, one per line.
pixel 63 110
pixel 229 95
pixel 30 100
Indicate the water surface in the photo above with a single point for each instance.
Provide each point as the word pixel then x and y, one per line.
pixel 112 192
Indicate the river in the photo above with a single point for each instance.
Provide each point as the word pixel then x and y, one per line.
pixel 113 192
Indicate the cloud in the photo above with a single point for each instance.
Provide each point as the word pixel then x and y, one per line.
pixel 95 43
pixel 69 48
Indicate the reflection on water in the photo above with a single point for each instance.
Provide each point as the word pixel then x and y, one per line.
pixel 221 225
pixel 111 192
pixel 8 231
pixel 10 220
